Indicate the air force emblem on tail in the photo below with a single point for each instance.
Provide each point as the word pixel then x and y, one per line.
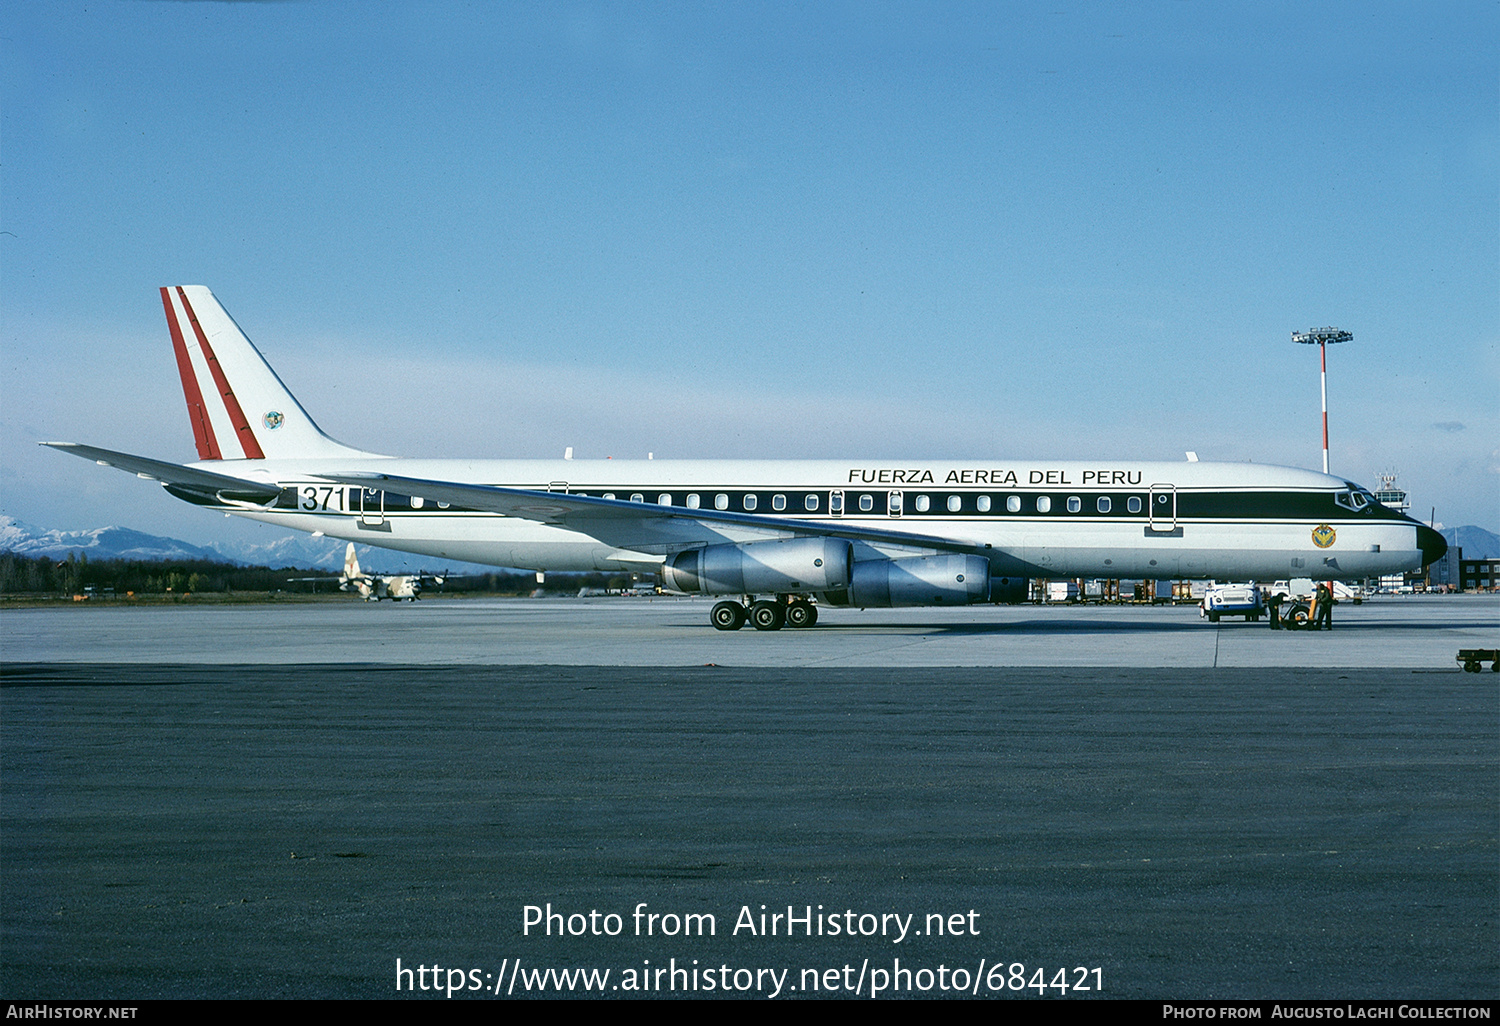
pixel 273 419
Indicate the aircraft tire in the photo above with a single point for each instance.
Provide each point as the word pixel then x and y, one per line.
pixel 801 614
pixel 1213 617
pixel 727 616
pixel 767 616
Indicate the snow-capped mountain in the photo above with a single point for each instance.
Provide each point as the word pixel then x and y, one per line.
pixel 99 543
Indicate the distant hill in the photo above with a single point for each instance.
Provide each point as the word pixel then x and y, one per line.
pixel 1476 542
pixel 293 550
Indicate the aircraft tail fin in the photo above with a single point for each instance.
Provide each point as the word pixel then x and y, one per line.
pixel 239 408
pixel 351 564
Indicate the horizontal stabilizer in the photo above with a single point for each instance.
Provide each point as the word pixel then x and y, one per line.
pixel 231 488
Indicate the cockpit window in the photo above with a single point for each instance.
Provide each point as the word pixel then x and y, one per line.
pixel 1356 499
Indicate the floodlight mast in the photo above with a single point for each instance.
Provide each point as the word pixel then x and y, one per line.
pixel 1322 338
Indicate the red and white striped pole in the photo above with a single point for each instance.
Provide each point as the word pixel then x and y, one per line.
pixel 1321 337
pixel 1323 353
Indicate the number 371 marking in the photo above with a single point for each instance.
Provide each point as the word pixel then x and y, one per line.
pixel 310 498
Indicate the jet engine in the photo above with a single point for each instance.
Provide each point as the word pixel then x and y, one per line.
pixel 920 581
pixel 1009 590
pixel 761 568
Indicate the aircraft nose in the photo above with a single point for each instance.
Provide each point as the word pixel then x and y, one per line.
pixel 1431 543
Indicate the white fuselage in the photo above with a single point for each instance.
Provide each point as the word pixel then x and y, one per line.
pixel 1230 521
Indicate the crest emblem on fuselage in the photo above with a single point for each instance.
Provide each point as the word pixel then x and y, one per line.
pixel 1323 536
pixel 273 419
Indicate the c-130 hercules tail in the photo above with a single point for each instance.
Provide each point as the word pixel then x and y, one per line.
pixel 770 535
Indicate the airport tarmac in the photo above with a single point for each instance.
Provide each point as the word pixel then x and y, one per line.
pixel 1399 633
pixel 207 824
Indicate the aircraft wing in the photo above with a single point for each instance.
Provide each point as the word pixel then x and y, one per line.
pixel 234 489
pixel 641 526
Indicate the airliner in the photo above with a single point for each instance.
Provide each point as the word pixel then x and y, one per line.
pixel 770 536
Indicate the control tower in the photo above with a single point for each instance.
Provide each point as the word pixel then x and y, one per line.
pixel 1389 495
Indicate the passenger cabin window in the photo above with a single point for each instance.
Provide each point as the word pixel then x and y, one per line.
pixel 692 501
pixel 955 503
pixel 608 495
pixel 1013 504
pixel 866 503
pixel 983 503
pixel 836 502
pixel 637 497
pixel 810 503
pixel 1074 504
pixel 664 499
pixel 923 504
pixel 778 502
pixel 416 502
pixel 1044 503
pixel 1103 504
pixel 894 503
pixel 1133 504
pixel 721 501
pixel 751 502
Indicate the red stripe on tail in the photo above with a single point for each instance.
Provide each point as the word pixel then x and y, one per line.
pixel 203 432
pixel 236 415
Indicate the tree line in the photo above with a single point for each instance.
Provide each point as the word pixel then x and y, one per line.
pixel 78 575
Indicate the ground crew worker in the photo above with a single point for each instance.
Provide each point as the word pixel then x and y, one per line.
pixel 1322 618
pixel 1273 602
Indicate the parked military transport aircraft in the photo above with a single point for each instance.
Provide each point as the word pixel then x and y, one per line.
pixel 770 534
pixel 374 587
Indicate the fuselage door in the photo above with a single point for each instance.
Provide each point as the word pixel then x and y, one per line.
pixel 371 506
pixel 1162 515
pixel 836 502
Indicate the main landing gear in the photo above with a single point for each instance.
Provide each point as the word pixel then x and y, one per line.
pixel 765 615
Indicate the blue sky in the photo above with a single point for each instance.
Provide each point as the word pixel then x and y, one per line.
pixel 1056 230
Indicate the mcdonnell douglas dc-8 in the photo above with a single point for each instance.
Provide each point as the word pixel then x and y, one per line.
pixel 769 535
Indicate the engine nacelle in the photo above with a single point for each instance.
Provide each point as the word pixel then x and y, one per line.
pixel 920 581
pixel 1010 590
pixel 760 568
